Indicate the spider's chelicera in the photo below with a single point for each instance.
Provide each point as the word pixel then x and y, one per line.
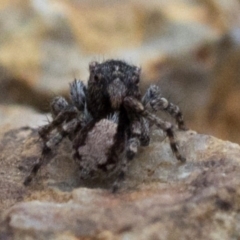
pixel 112 93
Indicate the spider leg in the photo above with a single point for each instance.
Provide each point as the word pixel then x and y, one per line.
pixel 137 107
pixel 58 104
pixel 145 132
pixel 81 136
pixel 66 115
pixel 133 142
pixel 119 142
pixel 61 111
pixel 154 99
pixel 128 122
pixel 168 128
pixel 121 175
pixel 48 146
pixel 138 135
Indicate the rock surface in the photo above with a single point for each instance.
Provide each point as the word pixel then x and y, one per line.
pixel 160 198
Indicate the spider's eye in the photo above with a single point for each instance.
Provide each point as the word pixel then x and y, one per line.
pixel 97 77
pixel 135 79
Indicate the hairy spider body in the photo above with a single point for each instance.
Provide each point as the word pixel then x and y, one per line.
pixel 109 83
pixel 112 92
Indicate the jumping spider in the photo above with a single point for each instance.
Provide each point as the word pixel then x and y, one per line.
pixel 112 90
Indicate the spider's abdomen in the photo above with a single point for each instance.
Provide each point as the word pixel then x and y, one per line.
pixel 93 156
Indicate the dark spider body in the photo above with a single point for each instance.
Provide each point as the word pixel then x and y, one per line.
pixel 109 83
pixel 112 90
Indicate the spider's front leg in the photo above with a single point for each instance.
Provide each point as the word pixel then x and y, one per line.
pixel 61 113
pixel 139 126
pixel 133 142
pixel 137 107
pixel 132 146
pixel 154 99
pixel 134 129
pixel 138 136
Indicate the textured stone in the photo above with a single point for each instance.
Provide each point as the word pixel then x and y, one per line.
pixel 160 198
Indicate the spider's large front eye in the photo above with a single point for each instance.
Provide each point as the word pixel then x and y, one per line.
pixel 97 77
pixel 135 80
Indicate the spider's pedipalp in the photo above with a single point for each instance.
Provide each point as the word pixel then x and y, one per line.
pixel 132 104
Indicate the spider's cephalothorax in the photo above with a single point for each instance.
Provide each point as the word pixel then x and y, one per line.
pixel 109 83
pixel 112 92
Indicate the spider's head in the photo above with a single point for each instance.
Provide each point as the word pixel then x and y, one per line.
pixel 113 80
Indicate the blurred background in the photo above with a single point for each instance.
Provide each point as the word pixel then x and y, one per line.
pixel 190 48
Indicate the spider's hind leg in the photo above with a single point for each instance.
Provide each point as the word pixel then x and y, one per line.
pixel 153 99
